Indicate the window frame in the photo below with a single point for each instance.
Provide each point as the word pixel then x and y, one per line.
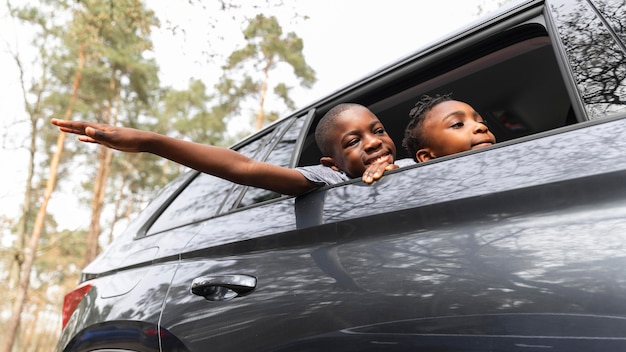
pixel 263 136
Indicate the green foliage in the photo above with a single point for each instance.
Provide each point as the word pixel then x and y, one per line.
pixel 248 70
pixel 190 115
pixel 120 85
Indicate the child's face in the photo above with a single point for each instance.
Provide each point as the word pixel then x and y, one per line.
pixel 452 127
pixel 359 140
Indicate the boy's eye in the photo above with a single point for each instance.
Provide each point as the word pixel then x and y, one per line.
pixel 379 131
pixel 352 142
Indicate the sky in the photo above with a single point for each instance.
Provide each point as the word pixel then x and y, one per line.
pixel 344 40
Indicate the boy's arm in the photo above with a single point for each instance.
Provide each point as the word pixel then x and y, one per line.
pixel 221 162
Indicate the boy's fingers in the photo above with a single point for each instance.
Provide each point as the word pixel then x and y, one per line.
pixel 69 126
pixel 391 167
pixel 373 173
pixel 376 171
pixel 87 139
pixel 368 177
pixel 90 131
pixel 95 133
pixel 380 169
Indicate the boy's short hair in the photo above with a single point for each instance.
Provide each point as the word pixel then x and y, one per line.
pixel 414 139
pixel 327 124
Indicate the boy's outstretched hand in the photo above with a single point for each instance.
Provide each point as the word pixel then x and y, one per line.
pixel 375 171
pixel 119 138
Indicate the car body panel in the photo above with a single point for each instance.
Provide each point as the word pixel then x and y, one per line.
pixel 514 247
pixel 515 241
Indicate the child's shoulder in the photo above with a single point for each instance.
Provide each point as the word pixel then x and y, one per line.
pixel 405 162
pixel 322 175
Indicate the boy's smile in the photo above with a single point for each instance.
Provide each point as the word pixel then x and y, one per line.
pixel 361 141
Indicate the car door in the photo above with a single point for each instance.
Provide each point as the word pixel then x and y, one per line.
pixel 447 254
pixel 515 247
pixel 228 247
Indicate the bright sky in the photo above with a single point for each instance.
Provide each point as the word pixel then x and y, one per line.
pixel 344 40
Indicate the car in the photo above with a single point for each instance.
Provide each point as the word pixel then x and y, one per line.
pixel 520 246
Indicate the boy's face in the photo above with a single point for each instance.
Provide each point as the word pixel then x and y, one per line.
pixel 452 127
pixel 359 139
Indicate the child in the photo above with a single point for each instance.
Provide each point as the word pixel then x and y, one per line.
pixel 352 139
pixel 441 126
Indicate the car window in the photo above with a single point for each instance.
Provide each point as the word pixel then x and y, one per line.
pixel 281 155
pixel 136 227
pixel 597 59
pixel 255 195
pixel 614 12
pixel 512 78
pixel 204 196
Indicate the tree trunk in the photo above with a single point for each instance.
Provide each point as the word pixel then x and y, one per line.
pixel 38 227
pixel 105 156
pixel 260 115
pixel 34 113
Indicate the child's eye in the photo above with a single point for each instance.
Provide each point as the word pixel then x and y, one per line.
pixel 379 131
pixel 352 142
pixel 457 125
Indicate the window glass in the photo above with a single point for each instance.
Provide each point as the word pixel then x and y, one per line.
pixel 252 195
pixel 614 12
pixel 597 61
pixel 280 155
pixel 135 227
pixel 203 197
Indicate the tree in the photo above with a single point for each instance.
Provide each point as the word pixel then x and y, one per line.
pixel 41 19
pixel 265 50
pixel 188 113
pixel 92 66
pixel 182 113
pixel 118 72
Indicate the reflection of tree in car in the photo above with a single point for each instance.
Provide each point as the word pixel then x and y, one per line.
pixel 597 59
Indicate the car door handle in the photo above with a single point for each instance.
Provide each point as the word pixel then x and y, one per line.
pixel 223 287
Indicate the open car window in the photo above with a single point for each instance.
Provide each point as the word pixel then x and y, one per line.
pixel 522 79
pixel 511 78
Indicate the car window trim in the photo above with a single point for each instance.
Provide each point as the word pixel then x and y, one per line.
pixel 277 138
pixel 304 132
pixel 272 129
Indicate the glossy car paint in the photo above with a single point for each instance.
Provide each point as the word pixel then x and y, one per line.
pixel 515 247
pixel 473 240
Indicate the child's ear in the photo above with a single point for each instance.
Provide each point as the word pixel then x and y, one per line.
pixel 329 162
pixel 423 155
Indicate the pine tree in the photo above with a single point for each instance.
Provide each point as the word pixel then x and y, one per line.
pixel 265 50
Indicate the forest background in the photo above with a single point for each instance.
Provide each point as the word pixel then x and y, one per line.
pixel 207 71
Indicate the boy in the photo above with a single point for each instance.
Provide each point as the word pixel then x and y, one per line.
pixel 441 126
pixel 353 141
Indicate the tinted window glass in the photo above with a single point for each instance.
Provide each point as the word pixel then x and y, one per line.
pixel 614 12
pixel 259 195
pixel 597 61
pixel 203 197
pixel 159 200
pixel 280 155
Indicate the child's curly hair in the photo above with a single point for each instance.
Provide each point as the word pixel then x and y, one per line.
pixel 414 139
